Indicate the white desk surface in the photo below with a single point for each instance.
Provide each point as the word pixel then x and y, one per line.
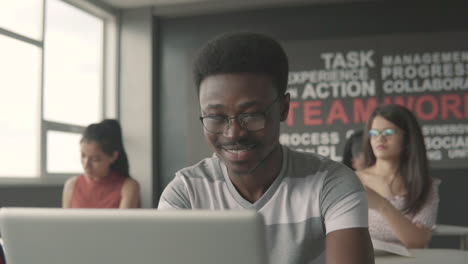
pixel 426 256
pixel 450 230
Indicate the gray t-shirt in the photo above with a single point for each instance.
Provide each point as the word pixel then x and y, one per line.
pixel 311 197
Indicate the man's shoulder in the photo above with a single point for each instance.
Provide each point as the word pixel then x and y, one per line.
pixel 311 162
pixel 297 154
pixel 208 168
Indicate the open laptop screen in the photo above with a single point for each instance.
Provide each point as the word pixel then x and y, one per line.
pixel 115 236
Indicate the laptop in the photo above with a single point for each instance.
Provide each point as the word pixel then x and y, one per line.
pixel 132 236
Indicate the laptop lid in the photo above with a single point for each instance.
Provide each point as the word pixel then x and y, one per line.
pixel 113 236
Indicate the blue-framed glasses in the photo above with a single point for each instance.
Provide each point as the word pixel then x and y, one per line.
pixel 386 132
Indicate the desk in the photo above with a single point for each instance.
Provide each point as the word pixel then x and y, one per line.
pixel 426 256
pixel 451 230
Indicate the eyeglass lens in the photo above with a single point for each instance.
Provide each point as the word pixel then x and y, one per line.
pixel 252 122
pixel 386 132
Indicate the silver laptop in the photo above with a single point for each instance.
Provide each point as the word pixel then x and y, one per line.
pixel 134 236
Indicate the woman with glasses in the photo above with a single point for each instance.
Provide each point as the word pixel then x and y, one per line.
pixel 403 198
pixel 106 182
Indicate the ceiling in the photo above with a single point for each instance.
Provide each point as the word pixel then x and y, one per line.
pixel 192 7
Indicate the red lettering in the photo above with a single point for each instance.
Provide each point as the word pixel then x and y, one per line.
pixel 466 105
pixel 399 100
pixel 450 103
pixel 410 103
pixel 292 106
pixel 360 112
pixel 434 107
pixel 428 107
pixel 337 112
pixel 309 112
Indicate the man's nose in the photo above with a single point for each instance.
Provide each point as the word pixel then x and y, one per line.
pixel 233 129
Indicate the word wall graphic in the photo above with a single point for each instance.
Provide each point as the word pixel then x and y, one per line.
pixel 335 84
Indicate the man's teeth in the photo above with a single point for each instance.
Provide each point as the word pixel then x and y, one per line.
pixel 239 150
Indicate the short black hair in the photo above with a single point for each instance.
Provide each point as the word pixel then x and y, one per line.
pixel 242 52
pixel 353 147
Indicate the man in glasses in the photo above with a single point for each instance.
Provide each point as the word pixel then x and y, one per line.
pixel 315 209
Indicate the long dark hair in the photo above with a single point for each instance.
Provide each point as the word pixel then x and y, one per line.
pixel 413 164
pixel 108 134
pixel 352 148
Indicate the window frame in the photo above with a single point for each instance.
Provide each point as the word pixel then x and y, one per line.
pixel 109 85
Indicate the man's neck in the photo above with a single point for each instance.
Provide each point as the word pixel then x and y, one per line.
pixel 253 185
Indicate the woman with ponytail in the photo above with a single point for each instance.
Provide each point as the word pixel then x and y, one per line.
pixel 106 182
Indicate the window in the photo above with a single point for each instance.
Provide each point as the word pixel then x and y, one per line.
pixel 63 154
pixel 57 75
pixel 73 68
pixel 23 17
pixel 19 108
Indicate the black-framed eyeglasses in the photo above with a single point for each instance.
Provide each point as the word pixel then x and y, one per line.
pixel 217 124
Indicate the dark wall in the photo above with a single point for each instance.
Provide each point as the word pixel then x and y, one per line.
pixel 453 209
pixel 31 196
pixel 181 141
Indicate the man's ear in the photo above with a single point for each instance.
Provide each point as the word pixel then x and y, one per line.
pixel 285 107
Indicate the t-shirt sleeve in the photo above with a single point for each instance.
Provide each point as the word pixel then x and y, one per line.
pixel 428 213
pixel 343 200
pixel 175 195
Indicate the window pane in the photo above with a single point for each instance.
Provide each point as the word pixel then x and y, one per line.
pixel 73 51
pixel 19 108
pixel 22 16
pixel 63 152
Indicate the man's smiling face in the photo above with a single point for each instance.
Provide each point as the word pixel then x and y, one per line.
pixel 230 95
